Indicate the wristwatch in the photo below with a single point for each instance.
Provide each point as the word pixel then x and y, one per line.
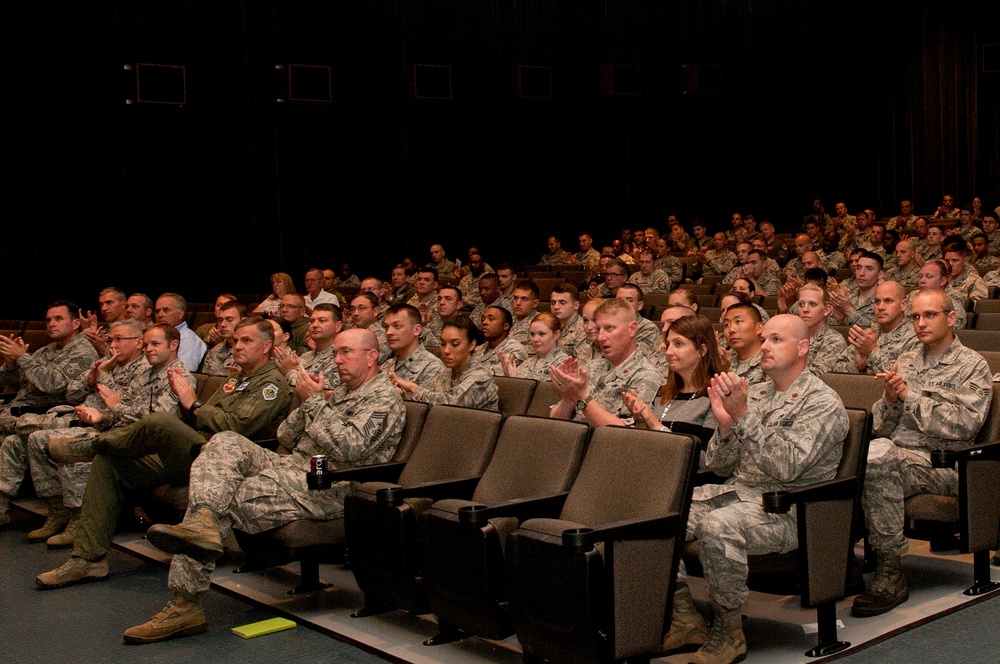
pixel 582 403
pixel 195 406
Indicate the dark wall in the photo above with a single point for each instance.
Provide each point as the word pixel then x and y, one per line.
pixel 860 101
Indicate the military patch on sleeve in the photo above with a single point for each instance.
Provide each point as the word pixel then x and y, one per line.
pixel 270 392
pixel 375 425
pixel 229 386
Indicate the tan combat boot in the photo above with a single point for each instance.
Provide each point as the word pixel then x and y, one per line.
pixel 76 449
pixel 182 616
pixel 887 590
pixel 197 537
pixel 73 571
pixel 688 630
pixel 55 522
pixel 726 643
pixel 65 539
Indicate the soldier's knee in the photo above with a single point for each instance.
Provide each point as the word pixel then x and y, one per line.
pixel 882 456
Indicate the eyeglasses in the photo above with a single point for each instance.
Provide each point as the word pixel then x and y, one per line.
pixel 613 274
pixel 118 340
pixel 289 306
pixel 927 315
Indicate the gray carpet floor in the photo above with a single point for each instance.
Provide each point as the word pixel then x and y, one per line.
pixel 84 623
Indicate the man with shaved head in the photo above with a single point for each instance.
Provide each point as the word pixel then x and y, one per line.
pixel 875 349
pixel 785 432
pixel 237 483
pixel 803 245
pixel 904 268
pixel 936 398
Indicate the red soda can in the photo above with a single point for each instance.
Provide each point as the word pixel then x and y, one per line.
pixel 317 464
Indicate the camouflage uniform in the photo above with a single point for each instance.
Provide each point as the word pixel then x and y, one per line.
pixel 968 285
pixel 503 302
pixel 537 368
pixel 469 285
pixel 218 359
pixel 793 268
pixel 672 267
pixel 421 367
pixel 488 358
pixel 43 376
pixel 768 284
pixel 573 337
pixel 649 337
pixel 142 390
pixel 158 449
pixel 890 346
pixel 656 282
pixel 315 361
pixel 431 334
pixel 383 344
pixel 749 369
pixel 864 310
pixel 905 278
pixel 590 260
pixel 945 406
pixel 718 262
pixel 520 331
pixel 558 258
pixel 825 348
pixel 252 489
pixel 473 389
pixel 901 223
pixel 445 269
pixel 992 278
pixel 606 384
pixel 968 233
pixel 994 243
pixel 300 332
pixel 786 439
pixel 834 261
pixel 985 264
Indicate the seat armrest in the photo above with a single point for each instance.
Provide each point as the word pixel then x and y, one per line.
pixel 379 472
pixel 657 527
pixel 779 502
pixel 521 508
pixel 17 411
pixel 455 488
pixel 949 458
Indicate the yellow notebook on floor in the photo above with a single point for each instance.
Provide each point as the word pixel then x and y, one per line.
pixel 263 627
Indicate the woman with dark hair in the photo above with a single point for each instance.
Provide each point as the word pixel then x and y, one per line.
pixel 682 404
pixel 544 338
pixel 282 333
pixel 468 383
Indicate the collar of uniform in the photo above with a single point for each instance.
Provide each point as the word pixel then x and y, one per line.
pixel 949 356
pixel 262 369
pixel 629 364
pixel 794 392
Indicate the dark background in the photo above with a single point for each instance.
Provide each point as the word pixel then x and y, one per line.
pixel 866 102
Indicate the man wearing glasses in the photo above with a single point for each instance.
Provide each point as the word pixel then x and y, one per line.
pixel 236 484
pixel 117 391
pixel 936 398
pixel 158 449
pixel 293 310
pixel 314 289
pixel 615 275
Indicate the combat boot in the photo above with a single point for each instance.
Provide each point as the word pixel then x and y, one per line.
pixel 726 643
pixel 197 537
pixel 55 522
pixel 71 450
pixel 182 616
pixel 887 590
pixel 65 539
pixel 73 571
pixel 688 630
